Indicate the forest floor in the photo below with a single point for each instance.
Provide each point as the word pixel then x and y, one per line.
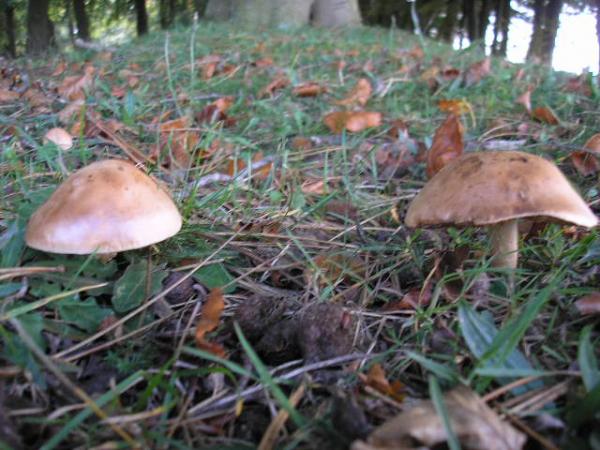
pixel 295 309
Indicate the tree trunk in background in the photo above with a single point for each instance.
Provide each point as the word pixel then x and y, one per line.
pixel 545 28
pixel 219 10
pixel 336 13
pixel 448 25
pixel 501 24
pixel 291 13
pixel 8 12
pixel 142 17
pixel 81 19
pixel 40 30
pixel 483 20
pixel 200 7
pixel 470 19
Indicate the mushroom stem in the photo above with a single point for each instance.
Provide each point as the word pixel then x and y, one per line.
pixel 505 244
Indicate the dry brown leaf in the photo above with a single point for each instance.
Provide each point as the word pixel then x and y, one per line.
pixel 216 112
pixel 525 100
pixel 310 89
pixel 413 299
pixel 179 139
pixel 263 62
pixel 278 83
pixel 60 137
pixel 301 143
pixel 208 65
pixel 475 424
pixel 579 85
pixel 359 95
pixel 590 304
pixel 209 321
pixel 377 379
pixel 330 268
pixel 7 96
pixel 447 144
pixel 73 108
pixel 478 71
pixel 586 161
pixel 545 115
pixel 353 121
pixel 73 88
pixel 59 69
pixel 37 99
pixel 455 106
pixel 313 187
pixel 236 165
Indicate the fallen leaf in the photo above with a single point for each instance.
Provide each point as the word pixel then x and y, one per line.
pixel 278 83
pixel 447 144
pixel 301 143
pixel 209 321
pixel 590 304
pixel 476 72
pixel 353 121
pixel 475 424
pixel 330 268
pixel 59 69
pixel 263 62
pixel 377 379
pixel 7 96
pixel 60 137
pixel 313 187
pixel 545 115
pixel 586 161
pixel 208 65
pixel 359 95
pixel 73 108
pixel 236 165
pixel 180 141
pixel 216 112
pixel 450 73
pixel 73 87
pixel 579 85
pixel 310 89
pixel 525 100
pixel 398 130
pixel 458 106
pixel 413 299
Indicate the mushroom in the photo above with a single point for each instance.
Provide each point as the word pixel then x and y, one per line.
pixel 496 189
pixel 106 207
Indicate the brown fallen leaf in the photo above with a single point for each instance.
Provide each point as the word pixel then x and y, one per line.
pixel 7 96
pixel 545 115
pixel 377 379
pixel 590 304
pixel 455 106
pixel 59 69
pixel 579 84
pixel 330 268
pixel 208 65
pixel 73 87
pixel 177 137
pixel 447 144
pixel 353 121
pixel 216 112
pixel 586 161
pixel 475 424
pixel 73 108
pixel 359 95
pixel 278 83
pixel 236 165
pixel 60 137
pixel 310 89
pixel 525 99
pixel 476 72
pixel 209 321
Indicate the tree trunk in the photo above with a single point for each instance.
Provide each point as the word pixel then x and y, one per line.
pixel 483 20
pixel 8 11
pixel 40 30
pixel 142 17
pixel 470 19
pixel 545 28
pixel 219 10
pixel 335 13
pixel 163 14
pixel 501 24
pixel 448 25
pixel 291 13
pixel 81 19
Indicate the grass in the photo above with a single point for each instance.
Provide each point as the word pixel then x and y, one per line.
pixel 127 367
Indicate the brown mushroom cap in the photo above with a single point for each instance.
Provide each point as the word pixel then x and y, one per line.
pixel 485 188
pixel 108 206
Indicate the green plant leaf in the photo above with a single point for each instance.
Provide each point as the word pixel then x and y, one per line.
pixel 130 290
pixel 12 243
pixel 588 364
pixel 215 275
pixel 87 315
pixel 437 398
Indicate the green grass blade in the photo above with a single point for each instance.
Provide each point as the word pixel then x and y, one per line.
pixel 588 364
pixel 438 402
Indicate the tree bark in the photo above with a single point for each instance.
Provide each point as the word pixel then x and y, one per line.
pixel 40 30
pixel 501 24
pixel 448 25
pixel 470 19
pixel 335 13
pixel 142 17
pixel 545 27
pixel 8 11
pixel 81 20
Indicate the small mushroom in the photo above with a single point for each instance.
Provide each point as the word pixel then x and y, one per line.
pixel 106 207
pixel 496 189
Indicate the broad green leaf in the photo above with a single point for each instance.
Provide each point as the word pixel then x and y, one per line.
pixel 7 289
pixel 12 243
pixel 440 370
pixel 130 290
pixel 87 315
pixel 215 275
pixel 586 358
pixel 15 350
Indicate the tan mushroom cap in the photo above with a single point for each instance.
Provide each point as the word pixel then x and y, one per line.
pixel 108 206
pixel 485 188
